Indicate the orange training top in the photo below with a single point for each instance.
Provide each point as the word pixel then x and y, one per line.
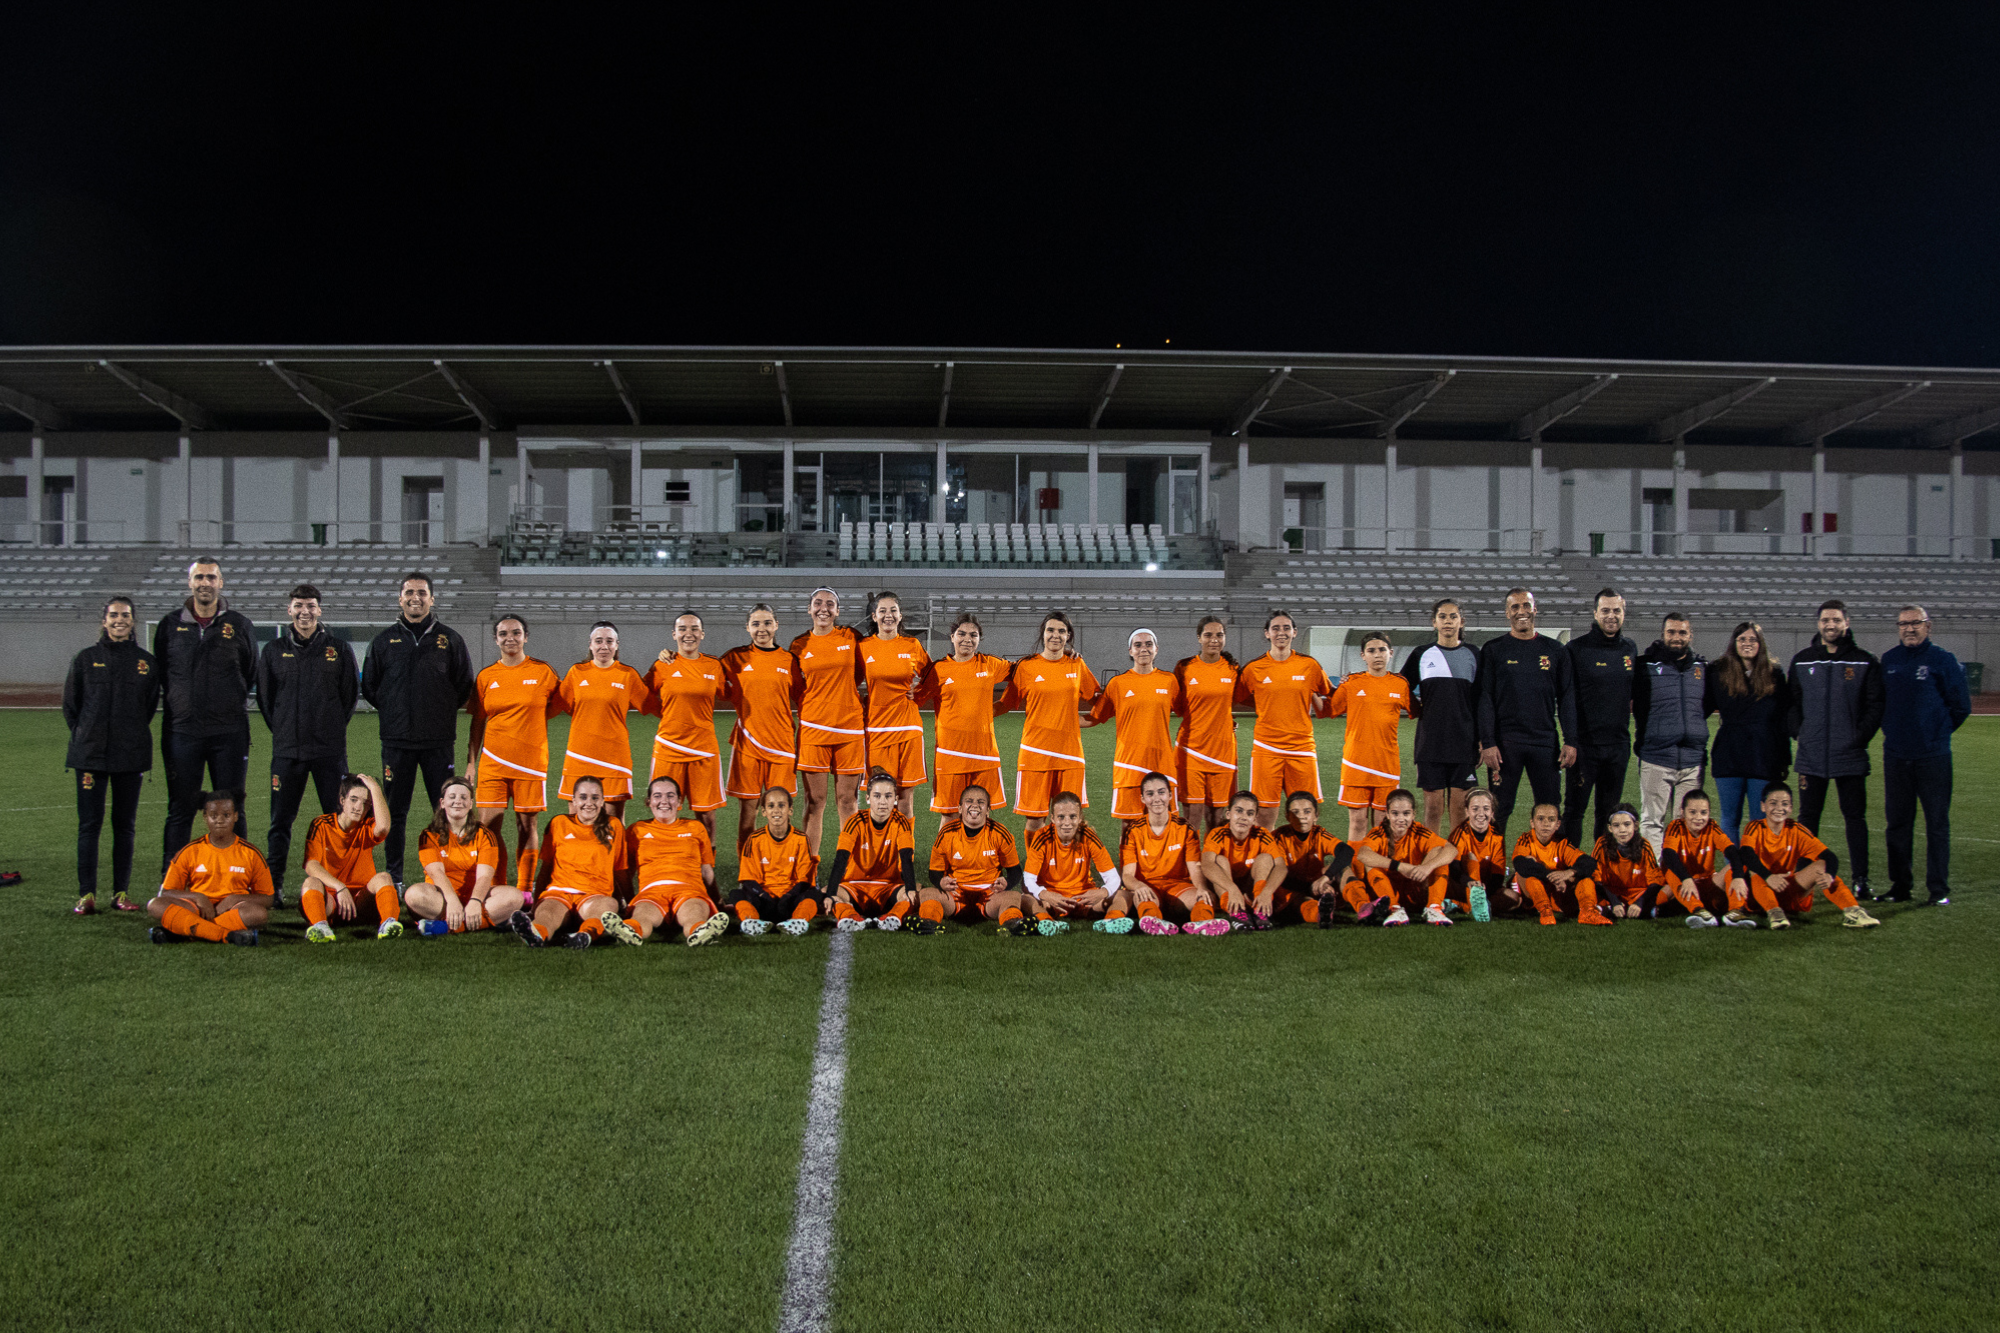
pixel 1282 693
pixel 1207 705
pixel 889 666
pixel 1306 853
pixel 1050 693
pixel 217 872
pixel 667 855
pixel 1141 704
pixel 461 857
pixel 1628 879
pixel 976 860
pixel 581 863
pixel 346 854
pixel 1412 847
pixel 1066 868
pixel 875 851
pixel 962 693
pixel 779 865
pixel 1240 854
pixel 1556 854
pixel 1160 859
pixel 1370 756
pixel 1703 851
pixel 1785 852
pixel 516 703
pixel 686 690
pixel 831 710
pixel 1480 853
pixel 765 685
pixel 597 700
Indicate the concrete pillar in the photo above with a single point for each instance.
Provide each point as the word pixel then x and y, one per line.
pixel 1093 485
pixel 1389 497
pixel 1819 494
pixel 187 490
pixel 943 487
pixel 1534 499
pixel 791 461
pixel 482 490
pixel 37 471
pixel 638 501
pixel 1951 495
pixel 1243 492
pixel 523 496
pixel 1201 519
pixel 333 487
pixel 1680 499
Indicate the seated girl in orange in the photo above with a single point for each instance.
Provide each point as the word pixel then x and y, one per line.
pixel 975 872
pixel 217 888
pixel 874 875
pixel 1160 857
pixel 1695 854
pixel 1784 863
pixel 1554 874
pixel 340 863
pixel 1240 859
pixel 1064 858
pixel 1628 875
pixel 461 859
pixel 777 874
pixel 582 862
pixel 1406 863
pixel 673 870
pixel 1481 880
pixel 1318 868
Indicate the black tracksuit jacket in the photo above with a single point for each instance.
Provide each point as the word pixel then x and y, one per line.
pixel 307 692
pixel 1526 688
pixel 1603 668
pixel 109 698
pixel 418 677
pixel 208 672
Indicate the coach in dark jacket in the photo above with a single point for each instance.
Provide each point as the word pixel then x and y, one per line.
pixel 1836 711
pixel 1752 747
pixel 1924 700
pixel 208 658
pixel 1602 662
pixel 307 686
pixel 109 698
pixel 1525 691
pixel 418 675
pixel 1671 731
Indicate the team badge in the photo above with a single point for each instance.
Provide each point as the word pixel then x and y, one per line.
pixel 228 630
pixel 1545 662
pixel 1850 673
pixel 443 642
pixel 276 783
pixel 332 655
pixel 388 773
pixel 145 667
pixel 1628 661
pixel 1923 673
pixel 89 780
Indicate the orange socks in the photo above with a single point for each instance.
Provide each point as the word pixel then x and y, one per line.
pixel 231 920
pixel 899 911
pixel 313 903
pixel 844 912
pixel 525 866
pixel 1010 914
pixel 1538 894
pixel 1146 909
pixel 590 926
pixel 386 905
pixel 1586 897
pixel 806 910
pixel 1309 910
pixel 184 921
pixel 1201 911
pixel 645 931
pixel 1838 892
pixel 745 912
pixel 1356 893
pixel 931 910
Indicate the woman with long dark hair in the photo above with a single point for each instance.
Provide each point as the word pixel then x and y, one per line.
pixel 1752 749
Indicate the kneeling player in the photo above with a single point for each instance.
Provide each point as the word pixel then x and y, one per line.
pixel 217 888
pixel 777 875
pixel 1694 853
pixel 874 875
pixel 1318 869
pixel 1241 862
pixel 1480 881
pixel 975 872
pixel 1628 875
pixel 577 872
pixel 1062 855
pixel 1784 863
pixel 673 866
pixel 1161 860
pixel 1406 862
pixel 340 863
pixel 1554 874
pixel 461 859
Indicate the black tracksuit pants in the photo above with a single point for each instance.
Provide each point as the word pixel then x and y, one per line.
pixel 1853 791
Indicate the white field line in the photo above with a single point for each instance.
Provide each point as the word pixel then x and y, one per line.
pixel 807 1306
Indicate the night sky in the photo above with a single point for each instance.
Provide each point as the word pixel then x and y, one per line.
pixel 1714 184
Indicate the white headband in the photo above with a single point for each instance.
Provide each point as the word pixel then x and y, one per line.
pixel 1137 632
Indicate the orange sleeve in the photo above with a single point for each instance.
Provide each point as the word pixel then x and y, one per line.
pixel 1087 687
pixel 621 850
pixel 430 851
pixel 1009 854
pixel 940 862
pixel 1336 703
pixel 1103 709
pixel 176 880
pixel 1100 855
pixel 486 849
pixel 1037 857
pixel 260 874
pixel 548 850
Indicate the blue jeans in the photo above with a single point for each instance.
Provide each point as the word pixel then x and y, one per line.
pixel 1729 794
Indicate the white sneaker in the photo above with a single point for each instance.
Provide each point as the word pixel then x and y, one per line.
pixel 848 925
pixel 1701 919
pixel 319 933
pixel 1435 916
pixel 1398 917
pixel 390 930
pixel 1739 920
pixel 756 925
pixel 888 923
pixel 795 926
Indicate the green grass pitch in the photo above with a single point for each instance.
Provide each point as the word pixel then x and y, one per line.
pixel 1497 1127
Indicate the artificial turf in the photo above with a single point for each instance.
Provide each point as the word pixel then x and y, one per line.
pixel 1495 1127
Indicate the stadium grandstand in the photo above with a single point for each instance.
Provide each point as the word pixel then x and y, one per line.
pixel 1133 488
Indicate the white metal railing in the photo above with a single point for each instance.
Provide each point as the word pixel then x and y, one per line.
pixel 1654 542
pixel 60 532
pixel 1471 541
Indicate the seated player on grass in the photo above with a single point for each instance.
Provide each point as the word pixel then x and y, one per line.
pixel 777 874
pixel 1554 874
pixel 217 887
pixel 340 863
pixel 672 863
pixel 1628 875
pixel 975 872
pixel 578 868
pixel 1318 869
pixel 1784 863
pixel 1241 862
pixel 1062 855
pixel 874 875
pixel 1406 863
pixel 1481 882
pixel 1694 853
pixel 1160 858
pixel 461 859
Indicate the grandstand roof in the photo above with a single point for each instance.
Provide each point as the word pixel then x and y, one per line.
pixel 788 390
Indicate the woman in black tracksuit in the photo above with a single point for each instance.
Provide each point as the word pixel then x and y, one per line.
pixel 109 700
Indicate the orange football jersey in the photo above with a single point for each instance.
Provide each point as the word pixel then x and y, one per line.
pixel 1141 705
pixel 1050 693
pixel 1207 705
pixel 764 685
pixel 889 666
pixel 1067 868
pixel 975 860
pixel 1702 852
pixel 1480 853
pixel 1161 859
pixel 597 700
pixel 875 851
pixel 1556 854
pixel 780 865
pixel 461 857
pixel 1282 693
pixel 665 855
pixel 831 662
pixel 582 863
pixel 1371 755
pixel 1239 854
pixel 217 872
pixel 1307 854
pixel 962 693
pixel 686 690
pixel 516 704
pixel 1627 878
pixel 1782 853
pixel 346 854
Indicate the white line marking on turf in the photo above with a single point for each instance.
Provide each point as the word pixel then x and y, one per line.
pixel 807 1306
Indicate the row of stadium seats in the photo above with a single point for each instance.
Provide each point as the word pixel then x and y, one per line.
pixel 1003 544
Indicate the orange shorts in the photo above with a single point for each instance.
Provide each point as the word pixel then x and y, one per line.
pixel 617 786
pixel 668 895
pixel 752 772
pixel 1076 912
pixel 969 904
pixel 1276 774
pixel 822 751
pixel 573 899
pixel 870 897
pixel 1364 798
pixel 498 787
pixel 1125 802
pixel 700 780
pixel 948 787
pixel 1412 894
pixel 900 754
pixel 1293 900
pixel 1202 785
pixel 1034 788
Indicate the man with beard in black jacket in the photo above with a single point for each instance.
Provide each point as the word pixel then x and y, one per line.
pixel 1669 706
pixel 207 657
pixel 1602 661
pixel 1525 691
pixel 109 700
pixel 307 686
pixel 1837 705
pixel 418 675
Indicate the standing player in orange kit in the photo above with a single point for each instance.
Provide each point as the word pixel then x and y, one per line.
pixel 961 688
pixel 1205 749
pixel 1554 874
pixel 1371 759
pixel 1694 853
pixel 1241 862
pixel 597 694
pixel 217 888
pixel 1160 863
pixel 1784 863
pixel 1068 872
pixel 1141 700
pixel 340 863
pixel 891 661
pixel 507 758
pixel 461 861
pixel 764 684
pixel 685 683
pixel 1286 687
pixel 833 736
pixel 672 864
pixel 1050 687
pixel 1406 862
pixel 975 872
